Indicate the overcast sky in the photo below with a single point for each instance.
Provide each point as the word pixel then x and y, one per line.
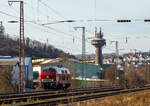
pixel 61 35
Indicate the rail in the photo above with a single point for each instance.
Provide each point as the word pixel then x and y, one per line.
pixel 67 96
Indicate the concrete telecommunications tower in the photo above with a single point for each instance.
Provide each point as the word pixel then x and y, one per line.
pixel 98 42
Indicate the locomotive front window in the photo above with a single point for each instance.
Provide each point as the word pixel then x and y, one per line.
pixel 51 71
pixel 44 71
pixel 35 75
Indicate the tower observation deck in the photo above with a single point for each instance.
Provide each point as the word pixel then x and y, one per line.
pixel 98 42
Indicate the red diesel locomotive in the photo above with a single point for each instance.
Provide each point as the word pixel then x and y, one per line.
pixel 55 77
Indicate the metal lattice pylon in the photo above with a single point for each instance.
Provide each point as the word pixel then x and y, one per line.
pixel 21 48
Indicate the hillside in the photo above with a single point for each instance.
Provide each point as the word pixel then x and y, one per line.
pixel 33 48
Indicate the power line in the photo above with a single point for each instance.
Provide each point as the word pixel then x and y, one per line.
pixel 53 10
pixel 56 12
pixel 38 24
pixel 58 31
pixel 46 26
pixel 8 15
pixel 33 23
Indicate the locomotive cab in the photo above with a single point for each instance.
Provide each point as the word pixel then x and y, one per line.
pixel 48 77
pixel 55 77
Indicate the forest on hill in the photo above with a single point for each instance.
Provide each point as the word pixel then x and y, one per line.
pixel 10 47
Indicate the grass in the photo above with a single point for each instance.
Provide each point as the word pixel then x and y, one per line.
pixel 138 99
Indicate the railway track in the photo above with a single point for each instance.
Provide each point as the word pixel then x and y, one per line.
pixel 34 93
pixel 66 97
pixel 52 90
pixel 82 97
pixel 24 97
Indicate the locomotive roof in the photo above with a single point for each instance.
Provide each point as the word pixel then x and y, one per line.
pixel 60 70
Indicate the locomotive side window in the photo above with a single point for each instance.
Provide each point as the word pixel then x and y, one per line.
pixel 53 71
pixel 62 71
pixel 66 72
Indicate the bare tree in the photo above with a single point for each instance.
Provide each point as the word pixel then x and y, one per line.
pixel 7 83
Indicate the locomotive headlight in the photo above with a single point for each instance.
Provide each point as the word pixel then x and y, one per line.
pixel 47 76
